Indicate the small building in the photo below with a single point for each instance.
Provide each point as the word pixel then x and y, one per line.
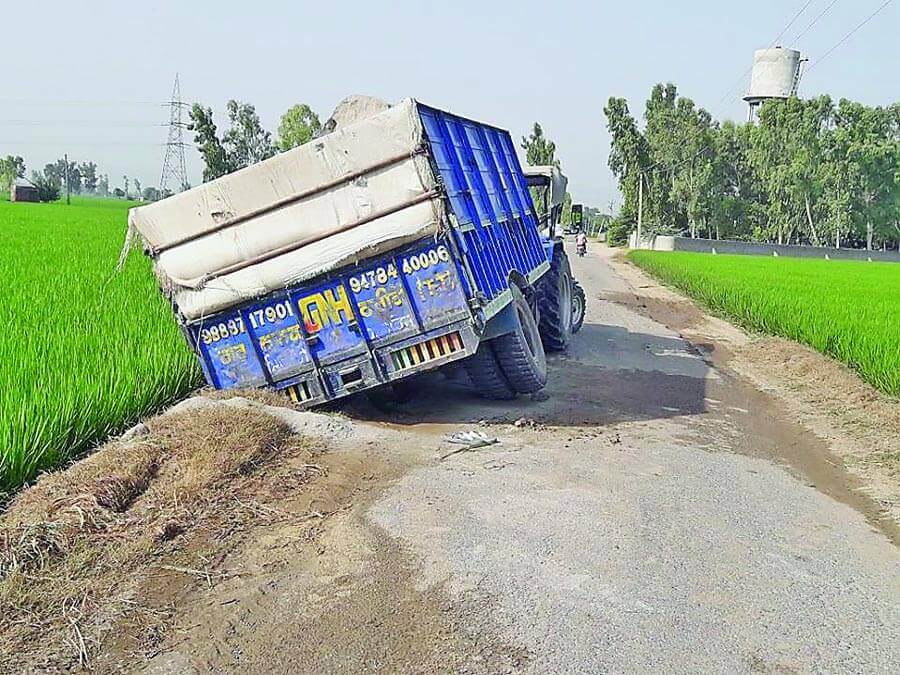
pixel 23 190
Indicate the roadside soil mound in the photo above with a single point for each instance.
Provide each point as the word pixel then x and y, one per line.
pixel 164 502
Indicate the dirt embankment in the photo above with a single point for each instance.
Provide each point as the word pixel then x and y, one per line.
pixel 94 558
pixel 226 535
pixel 860 425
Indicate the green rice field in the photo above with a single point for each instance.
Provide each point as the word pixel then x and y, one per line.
pixel 84 350
pixel 846 309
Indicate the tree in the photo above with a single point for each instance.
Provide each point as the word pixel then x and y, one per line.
pixel 150 194
pixel 694 172
pixel 88 172
pixel 11 168
pixel 741 210
pixel 298 125
pixel 628 159
pixel 125 191
pixel 208 143
pixel 47 186
pixel 57 172
pixel 663 136
pixel 243 144
pixel 119 193
pixel 539 150
pixel 73 176
pixel 103 186
pixel 787 154
pixel 863 139
pixel 246 142
pixel 52 172
pixel 137 188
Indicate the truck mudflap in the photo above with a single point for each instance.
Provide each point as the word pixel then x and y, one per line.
pixel 362 327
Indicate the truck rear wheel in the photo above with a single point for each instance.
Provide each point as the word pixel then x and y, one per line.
pixel 556 303
pixel 578 305
pixel 521 352
pixel 486 375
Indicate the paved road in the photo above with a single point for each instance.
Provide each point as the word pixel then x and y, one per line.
pixel 647 529
pixel 638 519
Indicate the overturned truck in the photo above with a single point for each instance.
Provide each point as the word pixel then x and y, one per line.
pixel 398 243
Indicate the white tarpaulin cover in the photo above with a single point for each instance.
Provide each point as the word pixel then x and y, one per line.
pixel 346 196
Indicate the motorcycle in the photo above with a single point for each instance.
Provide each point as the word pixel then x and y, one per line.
pixel 581 248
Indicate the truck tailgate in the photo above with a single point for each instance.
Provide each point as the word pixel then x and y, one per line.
pixel 366 325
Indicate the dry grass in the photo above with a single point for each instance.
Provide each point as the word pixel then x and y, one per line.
pixel 75 547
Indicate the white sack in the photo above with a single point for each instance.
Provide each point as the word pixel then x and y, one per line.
pixel 192 270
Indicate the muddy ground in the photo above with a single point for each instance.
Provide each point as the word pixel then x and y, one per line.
pixel 685 497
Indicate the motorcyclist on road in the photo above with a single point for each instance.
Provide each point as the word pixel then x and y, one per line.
pixel 581 241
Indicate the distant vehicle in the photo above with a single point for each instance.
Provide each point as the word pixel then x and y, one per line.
pixel 397 243
pixel 577 221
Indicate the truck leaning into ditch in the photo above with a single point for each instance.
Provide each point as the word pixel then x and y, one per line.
pixel 401 242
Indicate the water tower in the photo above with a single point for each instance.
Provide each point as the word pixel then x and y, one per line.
pixel 776 74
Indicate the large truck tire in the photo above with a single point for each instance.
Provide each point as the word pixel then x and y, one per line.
pixel 555 303
pixel 486 375
pixel 578 306
pixel 521 352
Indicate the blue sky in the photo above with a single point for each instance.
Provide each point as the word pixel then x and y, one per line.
pixel 82 77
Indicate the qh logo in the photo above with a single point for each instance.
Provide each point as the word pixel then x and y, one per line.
pixel 326 308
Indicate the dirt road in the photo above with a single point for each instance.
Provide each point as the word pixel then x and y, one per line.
pixel 654 512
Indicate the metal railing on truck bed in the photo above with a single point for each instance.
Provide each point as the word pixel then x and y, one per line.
pixel 494 222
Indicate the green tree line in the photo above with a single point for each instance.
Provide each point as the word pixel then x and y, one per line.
pixel 78 177
pixel 807 172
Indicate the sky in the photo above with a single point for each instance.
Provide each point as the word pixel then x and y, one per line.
pixel 90 78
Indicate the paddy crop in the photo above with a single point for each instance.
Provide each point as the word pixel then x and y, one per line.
pixel 84 350
pixel 848 310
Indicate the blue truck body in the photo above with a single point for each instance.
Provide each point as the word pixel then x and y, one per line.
pixel 417 308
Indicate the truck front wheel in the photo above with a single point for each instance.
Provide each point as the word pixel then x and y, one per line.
pixel 556 303
pixel 521 352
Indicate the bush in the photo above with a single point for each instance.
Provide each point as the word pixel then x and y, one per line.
pixel 619 229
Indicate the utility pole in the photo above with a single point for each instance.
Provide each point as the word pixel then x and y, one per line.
pixel 640 206
pixel 66 174
pixel 174 173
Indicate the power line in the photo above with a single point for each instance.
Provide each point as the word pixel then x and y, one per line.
pixel 81 123
pixel 848 35
pixel 790 23
pixel 67 142
pixel 816 20
pixel 89 104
